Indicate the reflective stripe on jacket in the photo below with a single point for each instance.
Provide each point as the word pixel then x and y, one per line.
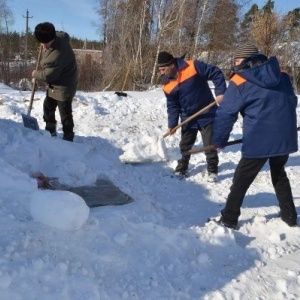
pixel 265 98
pixel 190 92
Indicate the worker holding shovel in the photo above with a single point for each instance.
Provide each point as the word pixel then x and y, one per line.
pixel 264 96
pixel 185 84
pixel 59 71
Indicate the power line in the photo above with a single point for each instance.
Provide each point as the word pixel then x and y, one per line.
pixel 26 34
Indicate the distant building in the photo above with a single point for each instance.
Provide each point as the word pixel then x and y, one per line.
pixel 88 57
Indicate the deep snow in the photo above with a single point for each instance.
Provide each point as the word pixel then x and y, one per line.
pixel 157 247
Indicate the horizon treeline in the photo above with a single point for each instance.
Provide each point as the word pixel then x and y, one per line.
pixel 135 31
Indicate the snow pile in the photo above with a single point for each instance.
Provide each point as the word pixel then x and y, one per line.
pixel 59 209
pixel 159 246
pixel 147 150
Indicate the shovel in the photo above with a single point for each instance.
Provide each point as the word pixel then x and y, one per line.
pixel 28 121
pixel 209 147
pixel 151 150
pixel 191 117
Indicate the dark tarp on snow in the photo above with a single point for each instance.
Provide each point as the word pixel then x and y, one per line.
pixel 103 192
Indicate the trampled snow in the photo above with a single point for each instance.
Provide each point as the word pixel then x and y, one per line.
pixel 157 247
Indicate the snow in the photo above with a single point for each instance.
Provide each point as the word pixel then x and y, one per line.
pixel 59 209
pixel 147 149
pixel 52 246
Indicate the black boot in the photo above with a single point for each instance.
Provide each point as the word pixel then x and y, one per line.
pixel 227 223
pixel 289 218
pixel 68 137
pixel 182 166
pixel 51 127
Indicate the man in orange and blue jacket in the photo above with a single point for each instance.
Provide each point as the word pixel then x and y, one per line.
pixel 185 84
pixel 264 96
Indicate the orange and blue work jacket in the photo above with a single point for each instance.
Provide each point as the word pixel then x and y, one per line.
pixel 264 96
pixel 190 92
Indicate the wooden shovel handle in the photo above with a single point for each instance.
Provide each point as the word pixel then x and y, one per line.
pixel 191 117
pixel 207 148
pixel 34 81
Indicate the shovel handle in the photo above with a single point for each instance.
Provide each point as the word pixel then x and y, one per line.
pixel 207 148
pixel 191 117
pixel 34 81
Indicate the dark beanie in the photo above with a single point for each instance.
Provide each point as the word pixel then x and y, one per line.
pixel 45 32
pixel 165 59
pixel 245 51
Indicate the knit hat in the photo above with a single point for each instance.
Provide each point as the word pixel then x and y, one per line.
pixel 245 51
pixel 45 32
pixel 165 59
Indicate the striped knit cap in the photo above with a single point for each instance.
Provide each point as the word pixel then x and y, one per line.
pixel 245 51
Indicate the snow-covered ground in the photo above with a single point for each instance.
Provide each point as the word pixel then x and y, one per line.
pixel 52 246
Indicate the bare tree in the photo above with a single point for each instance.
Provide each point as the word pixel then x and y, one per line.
pixel 135 31
pixel 200 26
pixel 266 30
pixel 220 29
pixel 6 16
pixel 6 19
pixel 291 44
pixel 167 13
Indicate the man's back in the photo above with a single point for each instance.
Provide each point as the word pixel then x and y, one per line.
pixel 265 98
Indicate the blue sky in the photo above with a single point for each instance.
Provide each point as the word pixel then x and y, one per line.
pixel 78 17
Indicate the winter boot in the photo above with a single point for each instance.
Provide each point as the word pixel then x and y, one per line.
pixel 212 177
pixel 51 127
pixel 182 166
pixel 289 218
pixel 68 137
pixel 227 223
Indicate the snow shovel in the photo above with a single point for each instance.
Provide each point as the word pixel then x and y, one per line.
pixel 206 148
pixel 28 121
pixel 192 117
pixel 152 151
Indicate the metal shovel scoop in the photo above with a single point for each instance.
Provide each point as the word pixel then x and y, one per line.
pixel 151 150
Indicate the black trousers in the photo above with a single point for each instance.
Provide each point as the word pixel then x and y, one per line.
pixel 188 138
pixel 65 111
pixel 245 173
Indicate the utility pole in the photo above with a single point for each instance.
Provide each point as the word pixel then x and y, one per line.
pixel 26 34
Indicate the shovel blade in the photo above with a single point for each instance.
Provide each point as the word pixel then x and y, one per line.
pixel 146 150
pixel 30 122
